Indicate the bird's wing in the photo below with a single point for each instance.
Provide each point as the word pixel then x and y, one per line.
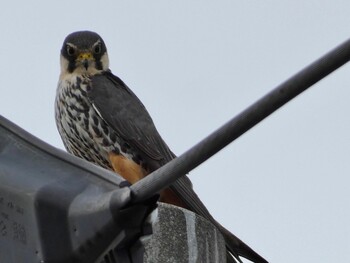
pixel 128 117
pixel 125 113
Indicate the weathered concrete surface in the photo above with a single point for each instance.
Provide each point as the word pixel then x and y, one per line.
pixel 182 236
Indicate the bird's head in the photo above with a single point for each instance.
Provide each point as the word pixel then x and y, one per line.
pixel 84 52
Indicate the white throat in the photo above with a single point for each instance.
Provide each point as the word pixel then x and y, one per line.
pixel 80 70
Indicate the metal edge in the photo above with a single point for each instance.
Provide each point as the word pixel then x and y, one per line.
pixel 58 153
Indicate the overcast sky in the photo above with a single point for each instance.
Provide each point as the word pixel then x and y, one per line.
pixel 283 187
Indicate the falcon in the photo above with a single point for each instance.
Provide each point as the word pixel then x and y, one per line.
pixel 101 120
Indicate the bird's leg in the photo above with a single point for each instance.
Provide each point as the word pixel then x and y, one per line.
pixel 128 169
pixel 133 172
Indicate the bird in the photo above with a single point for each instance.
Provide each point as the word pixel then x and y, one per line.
pixel 101 120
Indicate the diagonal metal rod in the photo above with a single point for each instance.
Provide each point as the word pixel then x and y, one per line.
pixel 237 126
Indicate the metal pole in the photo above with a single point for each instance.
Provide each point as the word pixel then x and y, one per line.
pixel 237 126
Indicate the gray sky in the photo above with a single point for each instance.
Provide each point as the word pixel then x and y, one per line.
pixel 284 186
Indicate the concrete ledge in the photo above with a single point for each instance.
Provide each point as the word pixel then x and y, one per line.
pixel 182 236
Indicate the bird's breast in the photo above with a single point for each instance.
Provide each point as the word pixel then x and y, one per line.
pixel 83 131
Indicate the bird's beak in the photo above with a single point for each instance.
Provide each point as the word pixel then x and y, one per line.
pixel 85 58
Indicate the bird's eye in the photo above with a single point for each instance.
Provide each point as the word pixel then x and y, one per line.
pixel 97 49
pixel 70 50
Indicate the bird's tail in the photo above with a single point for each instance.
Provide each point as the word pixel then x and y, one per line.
pixel 234 246
pixel 237 247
